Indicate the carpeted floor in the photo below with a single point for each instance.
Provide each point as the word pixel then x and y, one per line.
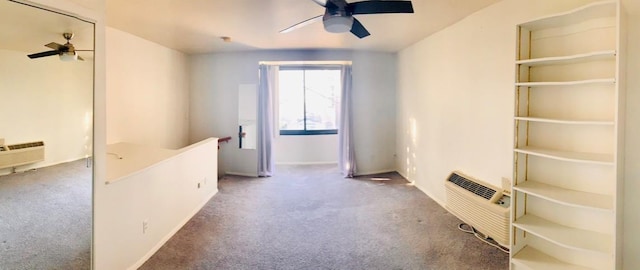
pixel 45 218
pixel 309 217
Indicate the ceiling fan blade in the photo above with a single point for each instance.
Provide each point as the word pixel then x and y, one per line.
pixel 43 54
pixel 375 7
pixel 321 2
pixel 358 29
pixel 55 46
pixel 301 24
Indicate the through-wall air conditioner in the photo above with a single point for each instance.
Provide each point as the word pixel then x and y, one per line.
pixel 480 205
pixel 15 155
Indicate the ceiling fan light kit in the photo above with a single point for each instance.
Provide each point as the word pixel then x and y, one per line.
pixel 338 15
pixel 338 24
pixel 68 56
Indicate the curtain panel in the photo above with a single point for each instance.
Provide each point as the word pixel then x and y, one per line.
pixel 346 151
pixel 268 83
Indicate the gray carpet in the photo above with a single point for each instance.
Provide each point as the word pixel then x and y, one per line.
pixel 45 218
pixel 309 217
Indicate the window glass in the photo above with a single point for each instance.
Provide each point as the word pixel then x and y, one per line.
pixel 309 101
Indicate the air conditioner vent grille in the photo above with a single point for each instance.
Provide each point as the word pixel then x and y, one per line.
pixel 471 186
pixel 25 145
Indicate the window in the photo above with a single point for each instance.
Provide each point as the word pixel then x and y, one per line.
pixel 309 100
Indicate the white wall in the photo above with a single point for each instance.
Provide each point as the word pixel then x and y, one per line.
pixel 456 95
pixel 165 195
pixel 47 100
pixel 631 260
pixel 455 104
pixel 147 92
pixel 214 102
pixel 316 149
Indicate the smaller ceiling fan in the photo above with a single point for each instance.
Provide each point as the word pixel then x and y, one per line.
pixel 338 14
pixel 66 52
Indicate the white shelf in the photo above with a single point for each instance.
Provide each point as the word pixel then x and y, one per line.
pixel 595 158
pixel 567 237
pixel 533 259
pixel 568 83
pixel 566 196
pixel 565 121
pixel 570 59
pixel 592 11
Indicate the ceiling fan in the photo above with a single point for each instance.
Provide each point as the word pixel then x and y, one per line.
pixel 66 52
pixel 338 14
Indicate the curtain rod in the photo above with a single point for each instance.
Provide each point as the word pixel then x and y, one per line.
pixel 298 63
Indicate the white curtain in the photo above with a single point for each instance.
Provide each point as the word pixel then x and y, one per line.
pixel 346 155
pixel 266 90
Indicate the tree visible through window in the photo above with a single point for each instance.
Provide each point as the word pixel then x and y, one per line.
pixel 309 100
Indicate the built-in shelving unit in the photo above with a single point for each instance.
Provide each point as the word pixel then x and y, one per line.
pixel 565 236
pixel 567 83
pixel 595 158
pixel 570 59
pixel 565 121
pixel 531 258
pixel 566 211
pixel 567 196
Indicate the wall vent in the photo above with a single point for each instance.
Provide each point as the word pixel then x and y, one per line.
pixel 15 155
pixel 480 205
pixel 24 145
pixel 471 186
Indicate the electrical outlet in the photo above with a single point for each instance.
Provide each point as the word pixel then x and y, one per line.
pixel 145 226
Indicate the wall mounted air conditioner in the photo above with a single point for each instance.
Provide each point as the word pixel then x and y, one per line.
pixel 480 205
pixel 15 155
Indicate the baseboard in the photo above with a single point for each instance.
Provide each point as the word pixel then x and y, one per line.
pixel 36 166
pixel 242 174
pixel 171 233
pixel 423 190
pixel 375 172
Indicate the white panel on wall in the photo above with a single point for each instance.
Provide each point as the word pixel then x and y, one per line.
pixel 247 113
pixel 247 102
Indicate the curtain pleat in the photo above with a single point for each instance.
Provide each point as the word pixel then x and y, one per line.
pixel 346 154
pixel 268 75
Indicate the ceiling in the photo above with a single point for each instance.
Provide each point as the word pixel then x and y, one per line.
pixel 27 29
pixel 632 6
pixel 196 26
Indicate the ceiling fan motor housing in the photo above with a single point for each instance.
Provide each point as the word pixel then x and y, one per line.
pixel 67 36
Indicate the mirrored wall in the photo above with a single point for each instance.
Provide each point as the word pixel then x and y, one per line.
pixel 46 138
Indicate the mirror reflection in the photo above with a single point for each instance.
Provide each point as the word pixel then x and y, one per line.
pixel 46 128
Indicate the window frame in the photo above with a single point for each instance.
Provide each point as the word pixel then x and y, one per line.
pixel 305 131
